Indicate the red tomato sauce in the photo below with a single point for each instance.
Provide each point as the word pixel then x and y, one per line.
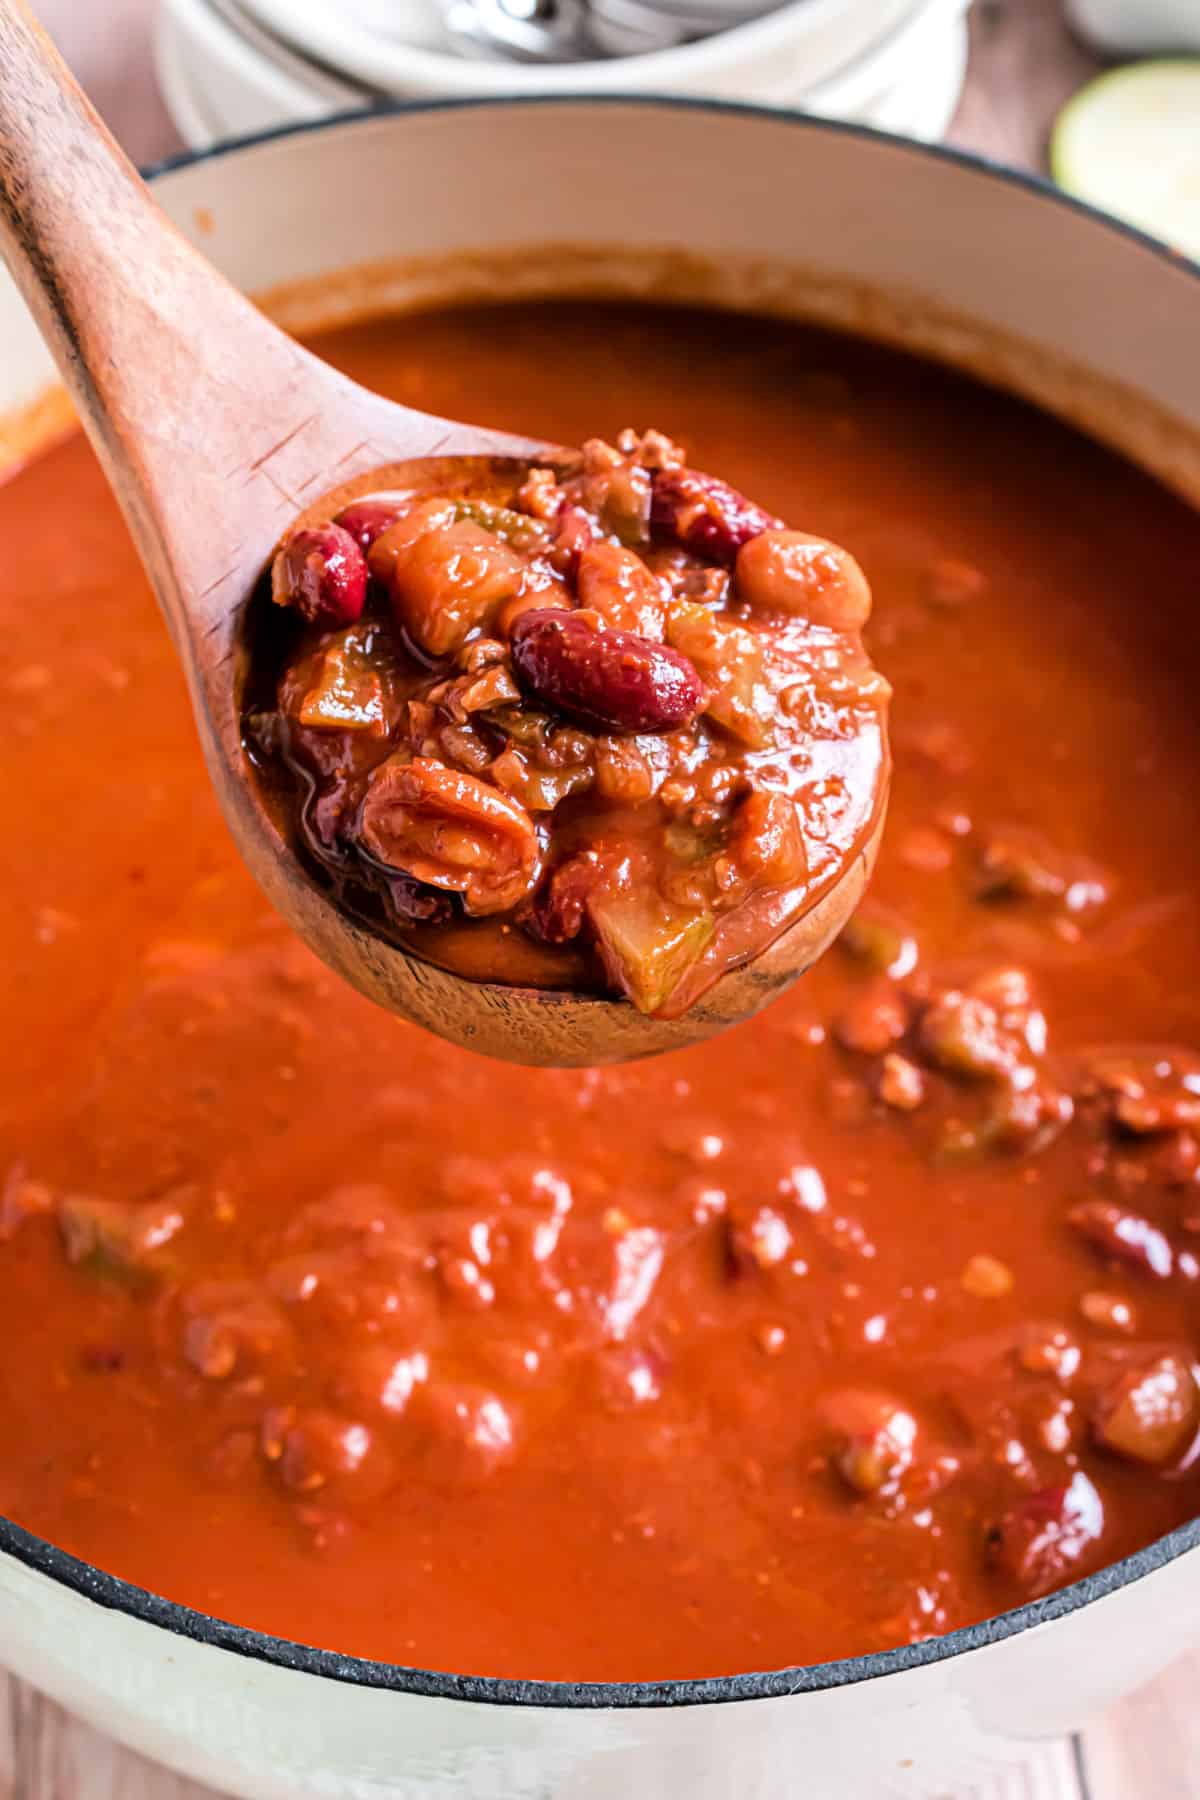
pixel 871 1318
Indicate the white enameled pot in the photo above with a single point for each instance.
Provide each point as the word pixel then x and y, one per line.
pixel 785 214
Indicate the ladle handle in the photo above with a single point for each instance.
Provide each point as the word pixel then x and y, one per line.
pixel 182 385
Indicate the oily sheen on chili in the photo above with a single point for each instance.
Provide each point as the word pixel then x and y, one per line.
pixel 873 1317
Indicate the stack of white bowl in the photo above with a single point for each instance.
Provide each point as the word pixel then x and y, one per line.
pixel 229 67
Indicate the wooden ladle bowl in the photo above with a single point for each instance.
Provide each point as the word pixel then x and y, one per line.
pixel 217 433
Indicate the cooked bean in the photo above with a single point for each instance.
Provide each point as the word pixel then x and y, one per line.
pixel 573 532
pixel 624 700
pixel 987 1278
pixel 320 573
pixel 901 1083
pixel 368 518
pixel 794 575
pixel 705 515
pixel 1124 1235
pixel 875 1018
pixel 876 1438
pixel 611 680
pixel 881 942
pixel 963 1035
pixel 444 575
pixel 1108 1312
pixel 310 1449
pixel 1049 1537
pixel 1151 1413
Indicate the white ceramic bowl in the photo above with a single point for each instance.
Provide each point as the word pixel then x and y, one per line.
pixel 223 76
pixel 786 214
pixel 908 82
pixel 222 80
pixel 1137 27
pixel 780 55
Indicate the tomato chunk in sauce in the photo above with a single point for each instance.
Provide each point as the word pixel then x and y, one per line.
pixel 871 1318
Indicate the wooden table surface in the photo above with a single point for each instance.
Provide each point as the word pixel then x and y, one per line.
pixel 1023 65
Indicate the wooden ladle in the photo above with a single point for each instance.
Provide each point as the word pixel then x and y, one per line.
pixel 216 432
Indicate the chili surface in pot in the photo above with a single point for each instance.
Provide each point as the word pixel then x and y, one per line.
pixel 873 1317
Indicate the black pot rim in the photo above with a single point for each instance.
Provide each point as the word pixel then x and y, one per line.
pixel 114 1594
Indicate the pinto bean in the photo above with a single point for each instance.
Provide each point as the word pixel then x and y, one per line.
pixel 444 575
pixel 876 1438
pixel 1151 1413
pixel 1048 1537
pixel 793 574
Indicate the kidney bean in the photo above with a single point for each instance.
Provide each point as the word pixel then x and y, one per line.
pixel 705 515
pixel 320 572
pixel 368 518
pixel 450 830
pixel 410 903
pixel 800 576
pixel 467 1433
pixel 560 907
pixel 1042 1541
pixel 1125 1236
pixel 310 1449
pixel 1151 1413
pixel 1144 1114
pixel 612 680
